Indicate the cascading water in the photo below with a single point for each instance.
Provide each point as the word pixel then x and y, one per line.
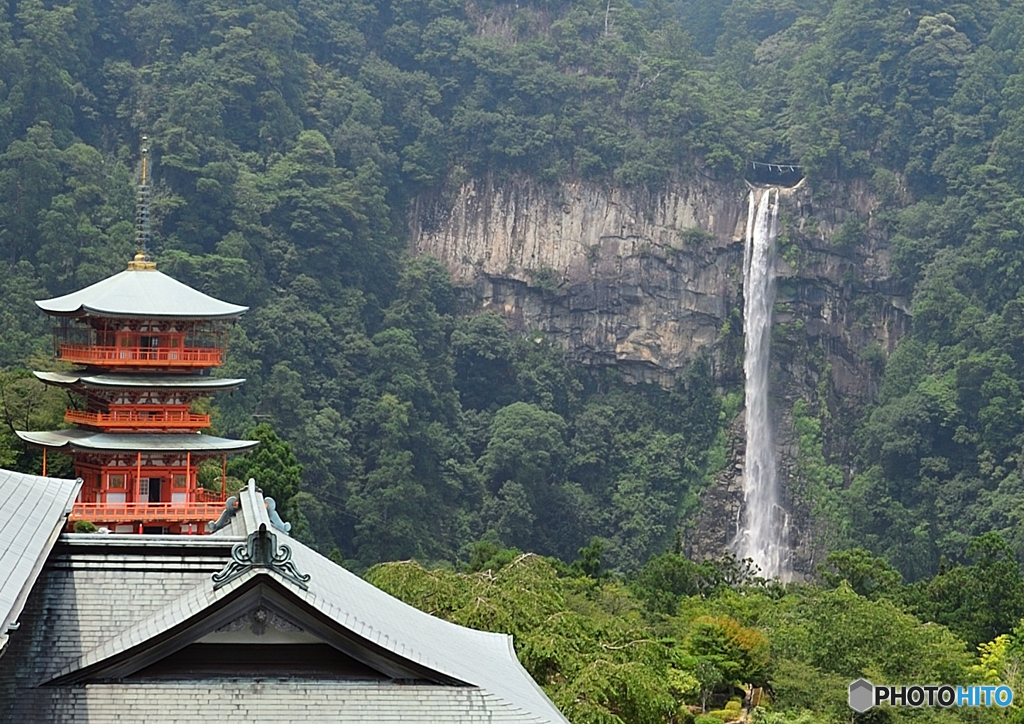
pixel 763 535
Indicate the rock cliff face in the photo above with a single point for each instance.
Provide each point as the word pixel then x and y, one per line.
pixel 632 279
pixel 648 281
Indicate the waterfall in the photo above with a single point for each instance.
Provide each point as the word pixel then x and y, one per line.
pixel 763 535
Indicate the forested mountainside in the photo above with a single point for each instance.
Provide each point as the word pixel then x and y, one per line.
pixel 290 139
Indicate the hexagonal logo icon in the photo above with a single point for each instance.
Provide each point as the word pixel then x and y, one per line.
pixel 862 695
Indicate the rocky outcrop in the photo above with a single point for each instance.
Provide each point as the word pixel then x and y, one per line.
pixel 648 281
pixel 640 280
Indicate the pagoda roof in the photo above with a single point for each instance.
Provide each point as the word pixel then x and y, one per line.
pixel 142 294
pixel 88 441
pixel 139 381
pixel 33 510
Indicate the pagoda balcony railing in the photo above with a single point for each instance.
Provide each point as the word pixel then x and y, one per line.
pixel 140 356
pixel 161 419
pixel 146 512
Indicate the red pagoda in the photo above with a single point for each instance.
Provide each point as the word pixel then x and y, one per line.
pixel 145 344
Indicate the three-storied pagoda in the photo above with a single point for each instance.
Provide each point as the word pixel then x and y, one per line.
pixel 145 344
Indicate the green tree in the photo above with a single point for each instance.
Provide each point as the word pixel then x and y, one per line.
pixel 599 666
pixel 978 601
pixel 526 446
pixel 666 578
pixel 865 574
pixel 272 465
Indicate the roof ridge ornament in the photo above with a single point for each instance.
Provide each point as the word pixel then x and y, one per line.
pixel 275 517
pixel 141 262
pixel 260 550
pixel 231 506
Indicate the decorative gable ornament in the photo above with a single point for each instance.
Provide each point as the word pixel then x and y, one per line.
pixel 260 550
pixel 257 621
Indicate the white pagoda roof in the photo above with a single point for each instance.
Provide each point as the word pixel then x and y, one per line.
pixel 139 381
pixel 89 441
pixel 143 294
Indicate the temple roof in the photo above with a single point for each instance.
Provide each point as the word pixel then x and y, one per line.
pixel 142 294
pixel 483 659
pixel 32 512
pixel 89 441
pixel 182 601
pixel 139 381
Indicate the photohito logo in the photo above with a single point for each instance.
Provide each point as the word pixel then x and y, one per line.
pixel 863 695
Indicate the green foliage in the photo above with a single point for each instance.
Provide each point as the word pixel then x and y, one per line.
pixel 865 574
pixel 28 404
pixel 738 654
pixel 289 141
pixel 978 601
pixel 484 360
pixel 272 465
pixel 815 479
pixel 664 579
pixel 525 446
pixel 593 656
pixel 486 555
pixel 588 642
pixel 822 640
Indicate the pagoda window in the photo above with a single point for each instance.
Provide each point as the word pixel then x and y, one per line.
pixel 180 481
pixel 115 492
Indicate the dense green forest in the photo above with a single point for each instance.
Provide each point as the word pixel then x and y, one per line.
pixel 683 642
pixel 289 137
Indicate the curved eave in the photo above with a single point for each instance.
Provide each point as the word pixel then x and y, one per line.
pixel 75 439
pixel 86 311
pixel 141 294
pixel 140 382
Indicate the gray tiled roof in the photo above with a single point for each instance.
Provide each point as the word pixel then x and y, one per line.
pixel 96 586
pixel 280 701
pixel 487 660
pixel 143 294
pixel 104 598
pixel 33 510
pixel 88 440
pixel 140 381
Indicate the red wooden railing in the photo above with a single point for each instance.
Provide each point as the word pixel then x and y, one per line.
pixel 202 495
pixel 138 418
pixel 146 512
pixel 140 356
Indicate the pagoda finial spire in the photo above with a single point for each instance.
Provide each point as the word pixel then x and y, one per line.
pixel 141 261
